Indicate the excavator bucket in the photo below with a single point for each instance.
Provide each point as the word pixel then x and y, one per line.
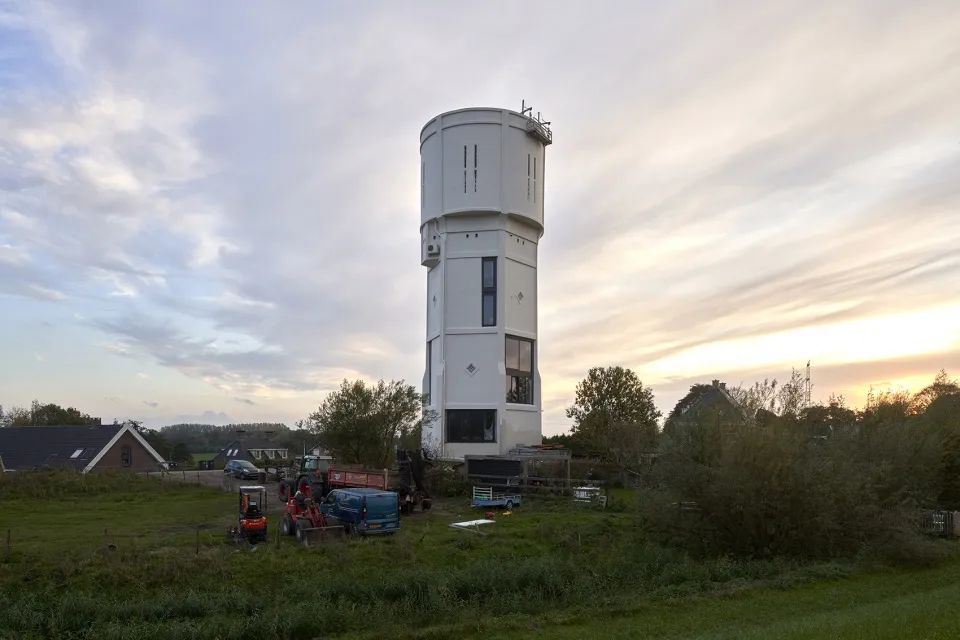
pixel 308 535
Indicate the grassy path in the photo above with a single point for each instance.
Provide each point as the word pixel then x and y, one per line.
pixel 890 604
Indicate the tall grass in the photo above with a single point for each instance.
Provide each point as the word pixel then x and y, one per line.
pixel 58 484
pixel 216 595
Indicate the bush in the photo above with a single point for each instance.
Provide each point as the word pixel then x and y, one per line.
pixel 446 480
pixel 772 490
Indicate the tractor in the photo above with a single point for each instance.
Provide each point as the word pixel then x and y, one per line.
pixel 307 470
pixel 302 517
pixel 251 522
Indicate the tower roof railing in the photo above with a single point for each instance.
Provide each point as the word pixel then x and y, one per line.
pixel 536 127
pixel 539 130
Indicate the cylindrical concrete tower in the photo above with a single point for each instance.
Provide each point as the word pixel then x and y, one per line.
pixel 481 218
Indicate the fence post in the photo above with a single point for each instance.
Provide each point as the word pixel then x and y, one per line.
pixel 8 544
pixel 198 540
pixel 278 535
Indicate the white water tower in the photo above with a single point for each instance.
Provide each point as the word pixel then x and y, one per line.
pixel 481 219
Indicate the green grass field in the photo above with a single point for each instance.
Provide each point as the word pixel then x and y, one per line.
pixel 550 570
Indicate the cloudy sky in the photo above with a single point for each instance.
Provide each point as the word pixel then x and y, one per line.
pixel 209 211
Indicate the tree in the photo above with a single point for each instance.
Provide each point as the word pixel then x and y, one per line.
pixel 43 415
pixel 788 398
pixel 826 420
pixel 362 424
pixel 942 386
pixel 614 415
pixel 179 453
pixel 203 438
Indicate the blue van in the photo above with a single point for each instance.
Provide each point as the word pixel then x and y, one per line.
pixel 365 511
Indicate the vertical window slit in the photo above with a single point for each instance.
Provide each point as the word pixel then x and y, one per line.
pixel 528 176
pixel 474 168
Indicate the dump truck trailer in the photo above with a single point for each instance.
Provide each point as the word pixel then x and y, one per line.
pixel 321 476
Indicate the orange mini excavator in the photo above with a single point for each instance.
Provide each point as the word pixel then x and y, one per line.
pixel 251 521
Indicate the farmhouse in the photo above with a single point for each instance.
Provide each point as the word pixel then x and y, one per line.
pixel 83 448
pixel 711 402
pixel 252 450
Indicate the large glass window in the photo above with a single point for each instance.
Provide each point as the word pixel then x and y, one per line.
pixel 429 386
pixel 471 425
pixel 489 295
pixel 519 364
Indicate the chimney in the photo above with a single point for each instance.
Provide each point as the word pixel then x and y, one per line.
pixel 716 383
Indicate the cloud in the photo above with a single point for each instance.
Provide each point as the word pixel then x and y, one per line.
pixel 205 200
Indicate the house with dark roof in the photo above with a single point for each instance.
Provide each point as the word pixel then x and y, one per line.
pixel 82 448
pixel 711 401
pixel 252 449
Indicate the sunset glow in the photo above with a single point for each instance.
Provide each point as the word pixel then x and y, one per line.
pixel 204 233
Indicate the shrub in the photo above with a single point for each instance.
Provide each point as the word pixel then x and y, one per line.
pixel 446 480
pixel 768 490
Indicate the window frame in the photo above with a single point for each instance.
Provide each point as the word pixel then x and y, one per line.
pixel 512 373
pixel 486 292
pixel 126 455
pixel 428 392
pixel 489 413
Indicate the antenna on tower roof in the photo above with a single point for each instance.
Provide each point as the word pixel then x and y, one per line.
pixel 537 127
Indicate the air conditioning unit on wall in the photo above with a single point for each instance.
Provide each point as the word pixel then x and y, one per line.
pixel 433 249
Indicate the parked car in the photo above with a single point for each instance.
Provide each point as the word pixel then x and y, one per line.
pixel 365 511
pixel 242 469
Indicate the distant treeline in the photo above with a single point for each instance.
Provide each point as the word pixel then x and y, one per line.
pixel 207 438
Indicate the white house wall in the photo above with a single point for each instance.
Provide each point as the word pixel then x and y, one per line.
pixel 520 299
pixel 461 190
pixel 462 308
pixel 520 426
pixel 515 198
pixel 483 388
pixel 434 300
pixel 466 217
